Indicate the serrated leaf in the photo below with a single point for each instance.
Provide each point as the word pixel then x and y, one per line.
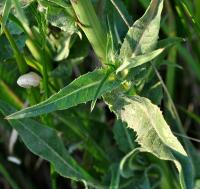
pixel 143 35
pixel 139 60
pixel 44 142
pixel 153 133
pixel 79 91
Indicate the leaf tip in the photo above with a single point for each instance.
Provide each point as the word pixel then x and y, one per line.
pixel 92 105
pixel 7 118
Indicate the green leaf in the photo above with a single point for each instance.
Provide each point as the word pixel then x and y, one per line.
pixel 153 133
pixel 60 3
pixel 117 24
pixel 44 142
pixel 169 42
pixel 124 137
pixel 78 128
pixel 19 12
pixel 63 49
pixel 153 91
pixel 5 14
pixel 79 91
pixel 59 18
pixel 139 60
pixel 143 35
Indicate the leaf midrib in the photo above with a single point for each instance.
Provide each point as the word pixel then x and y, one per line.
pixel 143 31
pixel 49 101
pixel 51 149
pixel 153 125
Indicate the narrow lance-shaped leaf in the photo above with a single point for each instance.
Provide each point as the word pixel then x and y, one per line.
pixel 79 91
pixel 139 60
pixel 153 133
pixel 44 142
pixel 143 35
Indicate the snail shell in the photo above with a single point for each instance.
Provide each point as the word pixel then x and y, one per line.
pixel 29 80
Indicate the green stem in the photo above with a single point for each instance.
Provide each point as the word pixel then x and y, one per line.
pixel 170 80
pixel 89 23
pixel 172 108
pixel 197 5
pixel 53 177
pixel 45 75
pixel 19 58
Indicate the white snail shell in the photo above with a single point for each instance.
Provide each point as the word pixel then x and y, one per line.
pixel 29 80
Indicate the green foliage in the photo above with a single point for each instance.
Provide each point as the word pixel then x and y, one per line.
pixel 124 137
pixel 133 148
pixel 5 14
pixel 44 141
pixel 139 60
pixel 79 91
pixel 143 35
pixel 153 133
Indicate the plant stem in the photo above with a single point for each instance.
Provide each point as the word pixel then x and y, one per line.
pixel 120 13
pixel 22 66
pixel 53 177
pixel 172 107
pixel 45 75
pixel 170 80
pixel 89 23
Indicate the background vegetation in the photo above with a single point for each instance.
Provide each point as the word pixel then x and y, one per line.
pixel 45 37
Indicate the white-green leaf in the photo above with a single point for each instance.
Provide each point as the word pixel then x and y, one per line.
pixel 153 133
pixel 139 60
pixel 79 91
pixel 143 35
pixel 44 142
